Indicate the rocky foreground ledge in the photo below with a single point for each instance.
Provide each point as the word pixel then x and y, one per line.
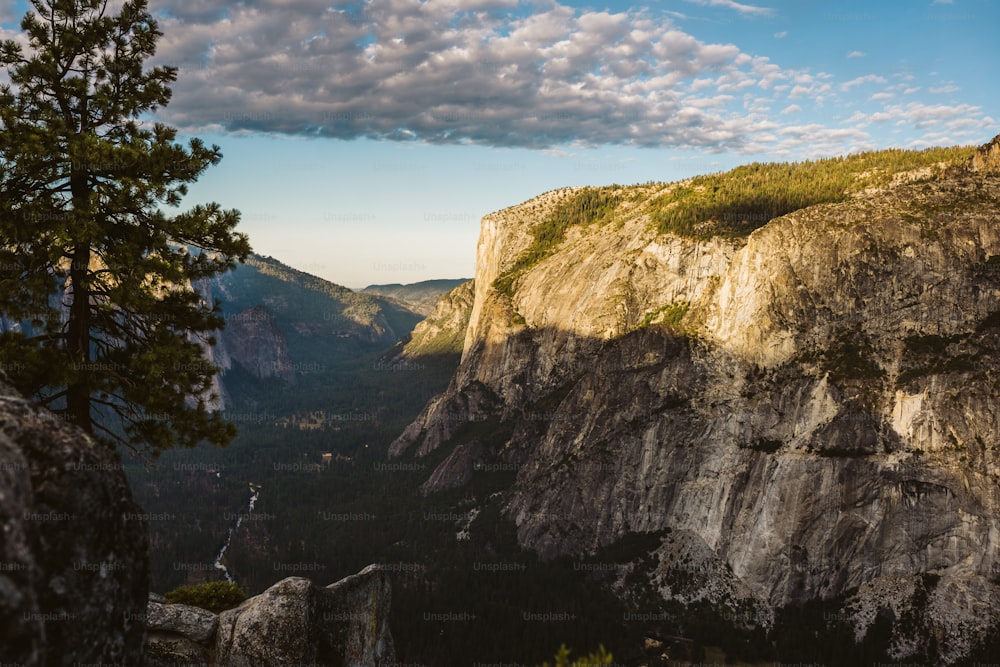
pixel 74 574
pixel 292 622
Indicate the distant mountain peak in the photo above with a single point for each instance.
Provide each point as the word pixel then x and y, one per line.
pixel 421 297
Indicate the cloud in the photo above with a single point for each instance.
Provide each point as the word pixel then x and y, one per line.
pixel 545 76
pixel 856 54
pixel 868 78
pixel 923 116
pixel 449 71
pixel 781 35
pixel 731 4
pixel 947 88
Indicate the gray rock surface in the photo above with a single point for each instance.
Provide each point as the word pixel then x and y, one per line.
pixel 296 622
pixel 73 546
pixel 254 340
pixel 171 650
pixel 358 607
pixel 193 622
pixel 823 415
pixel 457 469
pixel 443 331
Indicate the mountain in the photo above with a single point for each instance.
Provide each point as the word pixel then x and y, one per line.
pixel 288 327
pixel 767 396
pixel 419 297
pixel 442 332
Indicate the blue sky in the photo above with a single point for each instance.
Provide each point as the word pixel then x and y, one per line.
pixel 364 140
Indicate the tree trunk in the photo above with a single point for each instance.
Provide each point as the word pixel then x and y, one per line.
pixel 78 331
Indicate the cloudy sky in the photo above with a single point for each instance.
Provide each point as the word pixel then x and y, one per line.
pixel 363 140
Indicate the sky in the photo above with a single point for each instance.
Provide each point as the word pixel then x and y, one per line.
pixel 364 140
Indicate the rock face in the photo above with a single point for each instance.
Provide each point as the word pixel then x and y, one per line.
pixel 443 332
pixel 293 622
pixel 282 323
pixel 73 546
pixel 195 623
pixel 987 158
pixel 820 413
pixel 254 340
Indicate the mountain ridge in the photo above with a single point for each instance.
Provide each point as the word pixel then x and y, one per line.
pixel 421 297
pixel 288 325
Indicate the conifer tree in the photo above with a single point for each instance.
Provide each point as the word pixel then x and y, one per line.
pixel 102 323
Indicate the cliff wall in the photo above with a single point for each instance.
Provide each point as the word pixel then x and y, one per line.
pixel 815 404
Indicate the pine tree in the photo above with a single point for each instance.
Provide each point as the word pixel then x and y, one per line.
pixel 94 275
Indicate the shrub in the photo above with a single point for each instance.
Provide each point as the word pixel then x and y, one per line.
pixel 215 596
pixel 601 657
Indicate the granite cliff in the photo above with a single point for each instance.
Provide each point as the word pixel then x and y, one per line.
pixel 443 330
pixel 809 409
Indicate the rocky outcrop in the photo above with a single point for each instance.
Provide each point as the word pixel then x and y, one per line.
pixel 815 403
pixel 457 469
pixel 987 158
pixel 195 623
pixel 73 546
pixel 254 341
pixel 443 331
pixel 292 622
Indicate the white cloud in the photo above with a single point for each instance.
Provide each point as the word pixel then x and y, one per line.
pixel 868 78
pixel 922 116
pixel 882 96
pixel 547 76
pixel 732 4
pixel 400 69
pixel 856 54
pixel 781 35
pixel 947 88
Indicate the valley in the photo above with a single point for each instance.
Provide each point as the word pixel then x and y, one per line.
pixel 697 420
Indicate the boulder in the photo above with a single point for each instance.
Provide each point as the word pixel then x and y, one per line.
pixel 358 611
pixel 73 545
pixel 194 623
pixel 169 650
pixel 295 621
